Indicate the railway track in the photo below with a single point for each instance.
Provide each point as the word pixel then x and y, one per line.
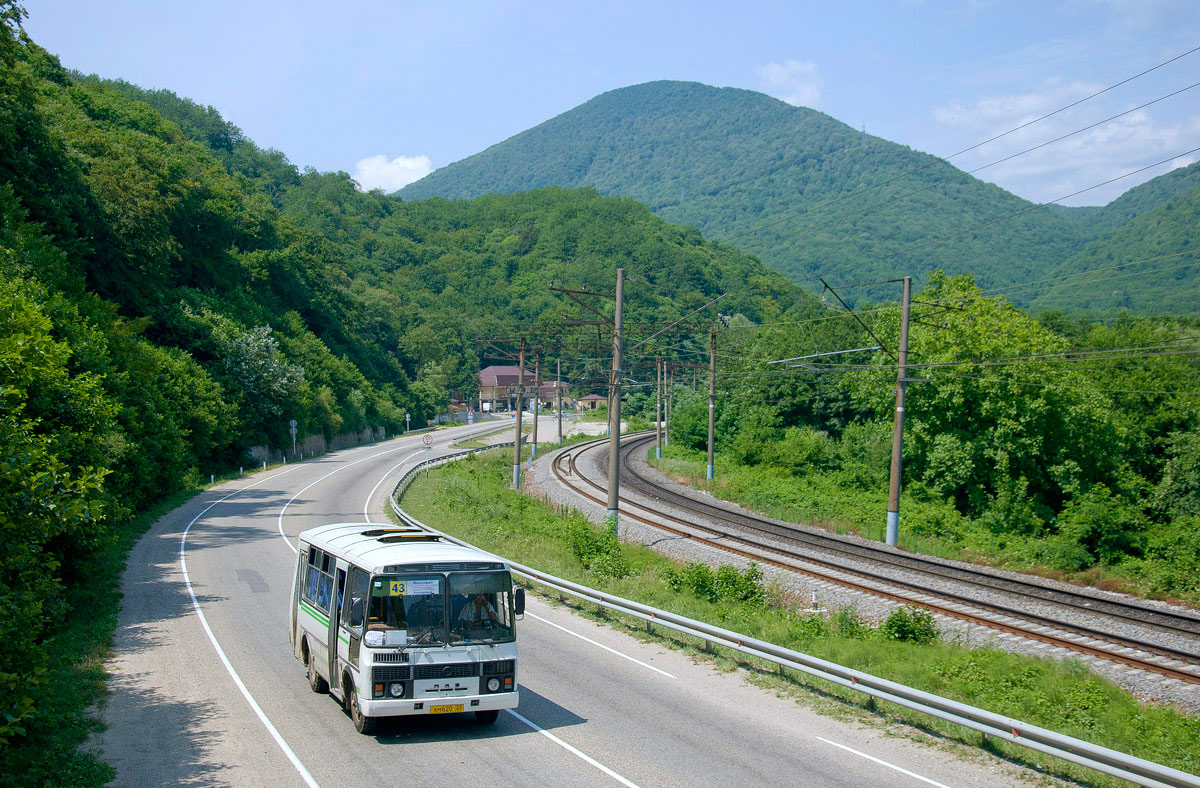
pixel 1016 606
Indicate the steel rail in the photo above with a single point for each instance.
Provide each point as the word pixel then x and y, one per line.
pixel 1127 767
pixel 763 553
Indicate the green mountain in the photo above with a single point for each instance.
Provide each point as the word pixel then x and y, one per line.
pixel 786 183
pixel 1148 264
pixel 1138 200
pixel 815 198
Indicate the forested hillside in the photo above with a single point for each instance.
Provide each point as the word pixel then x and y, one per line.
pixel 813 197
pixel 1149 264
pixel 749 168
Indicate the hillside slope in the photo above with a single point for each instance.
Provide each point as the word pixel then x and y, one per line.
pixel 754 171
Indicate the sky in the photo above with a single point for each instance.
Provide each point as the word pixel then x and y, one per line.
pixel 388 91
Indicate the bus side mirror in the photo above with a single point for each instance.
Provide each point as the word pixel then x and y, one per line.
pixel 356 613
pixel 520 601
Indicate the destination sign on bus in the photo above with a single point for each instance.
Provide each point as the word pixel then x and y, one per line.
pixel 413 587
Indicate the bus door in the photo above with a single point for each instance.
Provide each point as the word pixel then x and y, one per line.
pixel 354 612
pixel 335 615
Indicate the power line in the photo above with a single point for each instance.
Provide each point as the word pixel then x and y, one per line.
pixel 961 173
pixel 945 159
pixel 936 241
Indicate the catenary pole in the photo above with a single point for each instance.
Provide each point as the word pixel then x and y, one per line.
pixel 558 396
pixel 712 397
pixel 669 403
pixel 537 404
pixel 520 407
pixel 658 405
pixel 614 409
pixel 893 515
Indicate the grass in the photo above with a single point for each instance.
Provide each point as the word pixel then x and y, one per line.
pixel 470 500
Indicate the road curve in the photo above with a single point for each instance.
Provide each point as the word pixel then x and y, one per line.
pixel 205 690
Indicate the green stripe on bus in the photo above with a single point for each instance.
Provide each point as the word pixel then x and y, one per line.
pixel 312 611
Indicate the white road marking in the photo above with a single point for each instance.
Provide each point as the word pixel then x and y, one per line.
pixel 574 751
pixel 600 645
pixel 884 763
pixel 339 469
pixel 384 477
pixel 283 745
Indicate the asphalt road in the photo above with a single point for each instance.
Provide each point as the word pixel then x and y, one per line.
pixel 205 690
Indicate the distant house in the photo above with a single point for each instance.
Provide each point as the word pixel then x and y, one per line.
pixel 497 387
pixel 547 393
pixel 592 401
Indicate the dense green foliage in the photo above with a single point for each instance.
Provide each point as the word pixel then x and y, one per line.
pixel 1021 446
pixel 813 197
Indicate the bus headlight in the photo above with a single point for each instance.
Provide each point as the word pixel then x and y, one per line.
pixel 397 689
pixel 493 684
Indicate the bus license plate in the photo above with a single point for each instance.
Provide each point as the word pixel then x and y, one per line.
pixel 449 708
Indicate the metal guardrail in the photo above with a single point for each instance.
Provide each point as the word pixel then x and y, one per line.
pixel 1127 767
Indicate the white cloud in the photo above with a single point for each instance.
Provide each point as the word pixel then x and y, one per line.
pixel 793 81
pixel 1080 160
pixel 377 172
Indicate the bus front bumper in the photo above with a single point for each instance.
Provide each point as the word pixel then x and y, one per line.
pixel 399 707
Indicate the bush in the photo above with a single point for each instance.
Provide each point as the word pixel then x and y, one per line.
pixel 909 624
pixel 801 451
pixel 847 624
pixel 726 584
pixel 598 550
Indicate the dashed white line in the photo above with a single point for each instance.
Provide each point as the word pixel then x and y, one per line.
pixel 574 751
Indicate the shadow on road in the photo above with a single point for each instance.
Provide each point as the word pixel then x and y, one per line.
pixel 537 709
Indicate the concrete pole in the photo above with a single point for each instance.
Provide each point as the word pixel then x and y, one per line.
pixel 712 397
pixel 558 397
pixel 520 408
pixel 667 409
pixel 537 405
pixel 893 515
pixel 614 410
pixel 658 403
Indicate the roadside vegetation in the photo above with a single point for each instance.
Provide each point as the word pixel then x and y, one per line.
pixel 470 500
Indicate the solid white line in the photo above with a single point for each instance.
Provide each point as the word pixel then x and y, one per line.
pixel 283 745
pixel 884 763
pixel 339 469
pixel 574 751
pixel 600 645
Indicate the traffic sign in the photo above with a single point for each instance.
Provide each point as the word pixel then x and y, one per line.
pixel 427 439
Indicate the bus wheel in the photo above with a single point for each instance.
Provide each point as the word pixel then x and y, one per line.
pixel 315 682
pixel 362 723
pixel 486 717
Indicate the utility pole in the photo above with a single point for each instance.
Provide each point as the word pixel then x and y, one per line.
pixel 558 397
pixel 520 407
pixel 712 396
pixel 537 404
pixel 614 410
pixel 669 403
pixel 893 515
pixel 658 406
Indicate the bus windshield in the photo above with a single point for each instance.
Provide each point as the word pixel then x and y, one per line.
pixel 407 610
pixel 419 610
pixel 480 607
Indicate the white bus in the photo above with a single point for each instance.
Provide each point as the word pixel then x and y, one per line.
pixel 421 625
